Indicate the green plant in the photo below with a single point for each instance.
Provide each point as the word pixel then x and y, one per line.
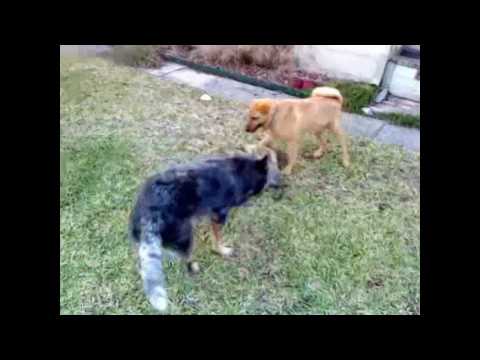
pixel 355 95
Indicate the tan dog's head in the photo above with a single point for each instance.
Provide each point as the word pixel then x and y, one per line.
pixel 259 114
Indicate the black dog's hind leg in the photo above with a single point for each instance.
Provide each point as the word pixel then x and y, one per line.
pixel 187 245
pixel 218 219
pixel 192 265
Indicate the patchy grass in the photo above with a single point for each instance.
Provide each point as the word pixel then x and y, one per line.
pixel 336 242
pixel 401 119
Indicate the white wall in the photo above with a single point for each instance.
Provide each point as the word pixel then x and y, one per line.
pixel 364 63
pixel 82 50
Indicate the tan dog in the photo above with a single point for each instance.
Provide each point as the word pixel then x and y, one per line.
pixel 288 120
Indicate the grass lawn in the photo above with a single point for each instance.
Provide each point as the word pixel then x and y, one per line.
pixel 336 242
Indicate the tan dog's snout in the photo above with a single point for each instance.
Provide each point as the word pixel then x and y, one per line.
pixel 253 124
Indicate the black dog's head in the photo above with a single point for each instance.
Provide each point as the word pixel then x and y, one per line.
pixel 257 173
pixel 267 170
pixel 267 165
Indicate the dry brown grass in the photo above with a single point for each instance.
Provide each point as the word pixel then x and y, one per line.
pixel 136 55
pixel 267 56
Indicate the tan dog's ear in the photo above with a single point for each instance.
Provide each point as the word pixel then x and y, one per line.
pixel 263 106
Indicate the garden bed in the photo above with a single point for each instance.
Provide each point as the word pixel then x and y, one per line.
pixel 255 66
pixel 272 63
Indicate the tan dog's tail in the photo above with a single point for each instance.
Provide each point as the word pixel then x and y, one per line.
pixel 327 92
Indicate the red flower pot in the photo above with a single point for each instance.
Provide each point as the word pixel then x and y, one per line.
pixel 297 83
pixel 302 84
pixel 308 84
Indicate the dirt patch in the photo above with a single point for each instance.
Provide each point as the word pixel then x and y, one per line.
pixel 375 283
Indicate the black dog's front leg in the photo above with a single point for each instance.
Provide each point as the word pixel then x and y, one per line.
pixel 219 218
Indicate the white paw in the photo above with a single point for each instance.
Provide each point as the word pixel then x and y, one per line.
pixel 225 251
pixel 159 299
pixel 194 267
pixel 318 154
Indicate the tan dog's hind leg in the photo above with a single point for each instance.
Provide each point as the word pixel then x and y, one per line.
pixel 342 139
pixel 218 246
pixel 323 147
pixel 292 157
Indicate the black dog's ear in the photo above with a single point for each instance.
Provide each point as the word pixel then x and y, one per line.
pixel 263 162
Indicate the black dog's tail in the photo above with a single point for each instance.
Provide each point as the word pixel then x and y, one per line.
pixel 151 268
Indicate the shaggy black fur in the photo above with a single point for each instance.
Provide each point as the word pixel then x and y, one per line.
pixel 167 203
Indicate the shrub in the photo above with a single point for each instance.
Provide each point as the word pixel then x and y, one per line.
pixel 136 55
pixel 356 95
pixel 267 56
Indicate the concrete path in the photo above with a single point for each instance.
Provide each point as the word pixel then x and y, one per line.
pixel 394 104
pixel 355 125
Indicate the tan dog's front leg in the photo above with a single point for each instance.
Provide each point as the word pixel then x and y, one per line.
pixel 259 135
pixel 292 157
pixel 265 142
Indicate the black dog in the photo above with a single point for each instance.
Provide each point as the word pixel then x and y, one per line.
pixel 168 202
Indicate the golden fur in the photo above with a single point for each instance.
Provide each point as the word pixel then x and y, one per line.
pixel 288 120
